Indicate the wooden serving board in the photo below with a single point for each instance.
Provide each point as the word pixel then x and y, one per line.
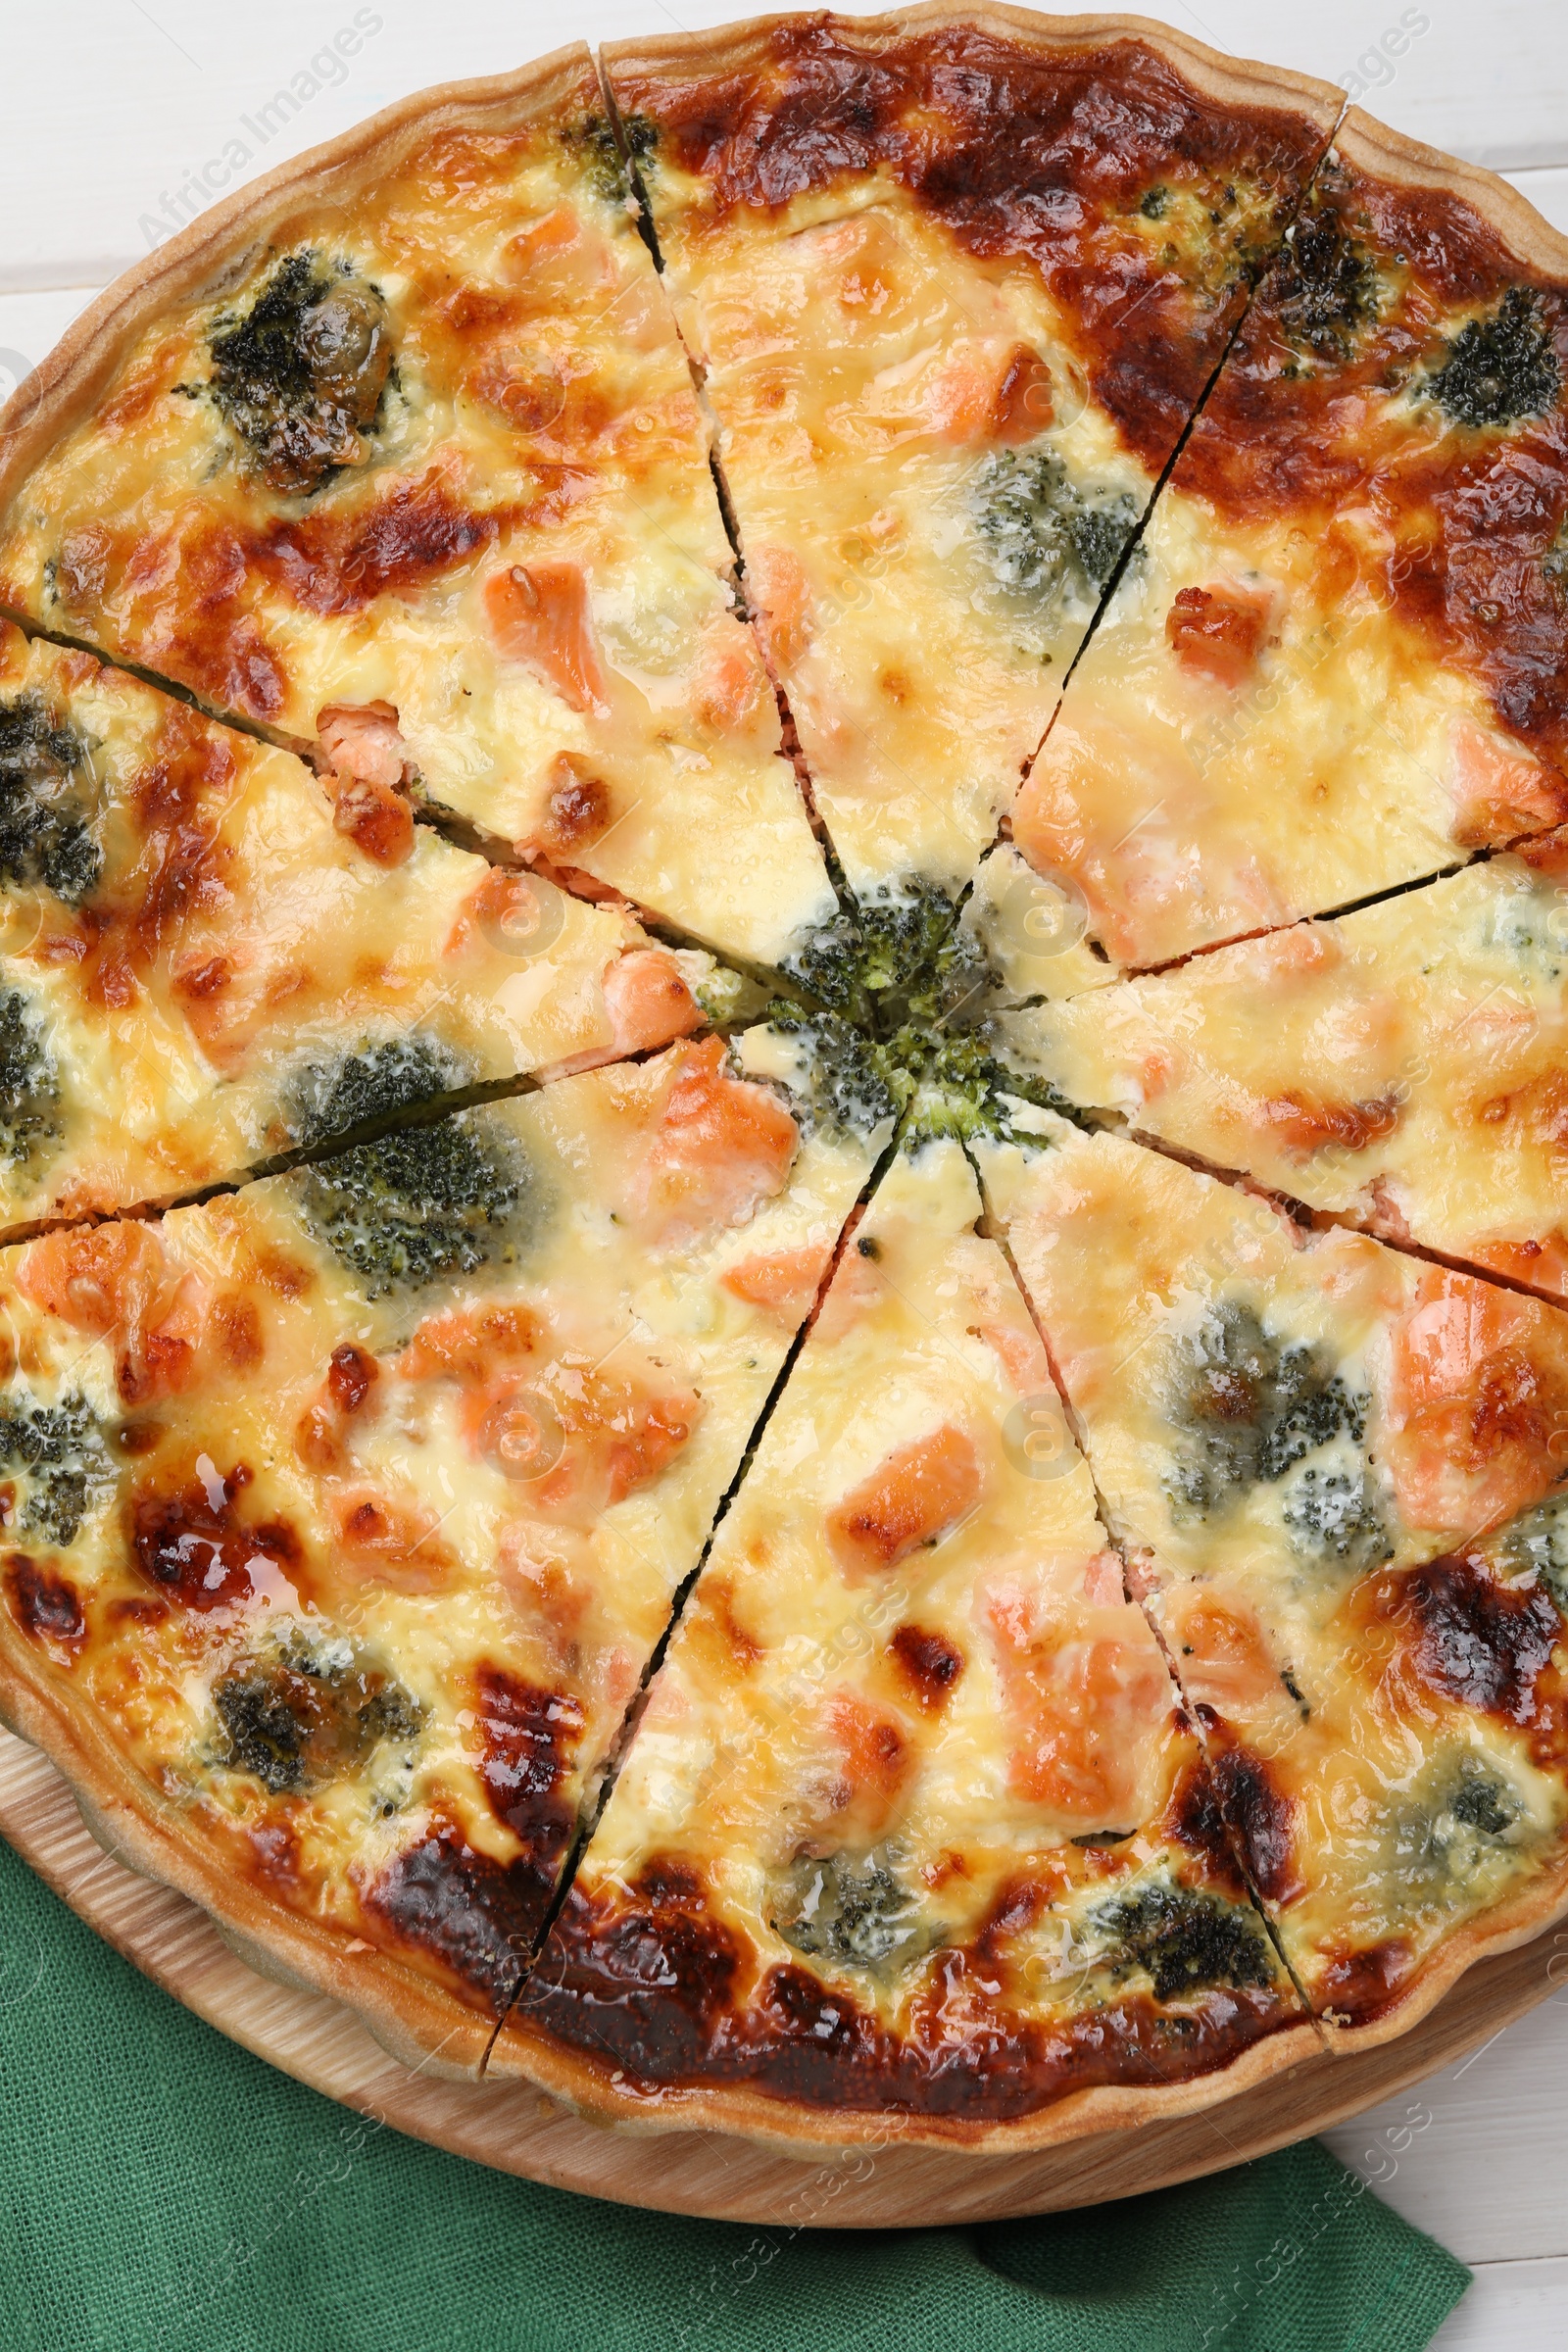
pixel 516 2130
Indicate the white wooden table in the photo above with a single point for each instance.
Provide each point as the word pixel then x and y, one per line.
pixel 112 111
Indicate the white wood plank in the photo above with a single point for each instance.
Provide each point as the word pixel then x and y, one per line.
pixel 146 111
pixel 1475 2156
pixel 1547 191
pixel 1490 82
pixel 1512 2307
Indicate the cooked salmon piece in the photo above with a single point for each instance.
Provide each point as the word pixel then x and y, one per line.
pixel 914 1497
pixel 539 613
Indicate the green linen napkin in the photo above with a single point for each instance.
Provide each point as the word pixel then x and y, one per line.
pixel 164 2191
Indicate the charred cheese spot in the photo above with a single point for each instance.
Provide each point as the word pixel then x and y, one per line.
pixel 1003 143
pixel 1197 1818
pixel 530 1738
pixel 406 535
pixel 351 1375
pixel 648 1978
pixel 929 1663
pixel 192 1546
pixel 1465 1636
pixel 45 1603
pixel 1262 1819
pixel 1363 1985
pixel 464 1910
pixel 577 811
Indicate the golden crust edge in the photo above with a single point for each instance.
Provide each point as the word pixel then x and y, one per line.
pixel 411 2017
pixel 1520 1921
pixel 62 390
pixel 723 46
pixel 790 2126
pixel 1372 147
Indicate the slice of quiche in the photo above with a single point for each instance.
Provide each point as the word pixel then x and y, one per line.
pixel 207 960
pixel 1339 663
pixel 1333 1472
pixel 344 1512
pixel 912 1834
pixel 1401 1066
pixel 956 281
pixel 396 453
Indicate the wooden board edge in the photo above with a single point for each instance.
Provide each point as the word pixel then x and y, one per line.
pixel 513 2128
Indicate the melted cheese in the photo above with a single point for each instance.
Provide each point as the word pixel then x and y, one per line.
pixel 1399 1066
pixel 229 945
pixel 1301 1443
pixel 521 557
pixel 1336 665
pixel 480 1489
pixel 908 1705
pixel 856 361
pixel 930 490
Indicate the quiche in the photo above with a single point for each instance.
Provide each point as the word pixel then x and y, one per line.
pixel 1400 1067
pixel 396 453
pixel 781 838
pixel 955 280
pixel 207 960
pixel 1339 661
pixel 1333 1472
pixel 915 1821
pixel 344 1512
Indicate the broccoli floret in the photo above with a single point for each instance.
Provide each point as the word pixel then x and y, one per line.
pixel 724 996
pixel 1325 287
pixel 1249 1409
pixel 852 1910
pixel 830 965
pixel 1500 367
pixel 905 930
pixel 358 1089
pixel 1519 927
pixel 593 141
pixel 959 1088
pixel 842 1072
pixel 1457 1830
pixel 1484 1802
pixel 309 1713
pixel 1334 1514
pixel 1185 1940
pixel 1311 1407
pixel 302 373
pixel 423 1201
pixel 1154 203
pixel 29 1082
pixel 901 954
pixel 1539 1539
pixel 60 1453
pixel 1048 539
pixel 43 834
